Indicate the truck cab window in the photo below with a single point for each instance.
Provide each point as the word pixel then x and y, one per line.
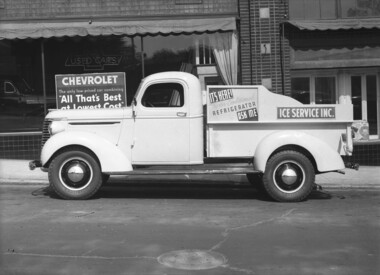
pixel 9 88
pixel 163 95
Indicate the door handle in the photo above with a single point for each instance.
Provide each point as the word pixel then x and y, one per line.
pixel 181 114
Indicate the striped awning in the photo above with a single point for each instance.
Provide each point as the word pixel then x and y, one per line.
pixel 43 29
pixel 336 24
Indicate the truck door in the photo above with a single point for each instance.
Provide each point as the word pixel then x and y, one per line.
pixel 162 125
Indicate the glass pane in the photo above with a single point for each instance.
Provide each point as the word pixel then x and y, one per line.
pixel 372 104
pixel 300 89
pixel 21 96
pixel 356 96
pixel 312 9
pixel 325 90
pixel 296 9
pixel 94 55
pixel 328 9
pixel 360 8
pixel 163 96
pixel 168 53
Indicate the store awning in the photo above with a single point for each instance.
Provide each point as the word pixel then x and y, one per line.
pixel 336 24
pixel 24 30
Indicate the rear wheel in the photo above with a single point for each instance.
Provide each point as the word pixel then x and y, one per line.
pixel 289 177
pixel 75 174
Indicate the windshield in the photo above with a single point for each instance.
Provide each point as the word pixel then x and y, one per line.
pixel 21 85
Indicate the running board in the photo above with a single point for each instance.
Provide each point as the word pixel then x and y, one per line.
pixel 205 169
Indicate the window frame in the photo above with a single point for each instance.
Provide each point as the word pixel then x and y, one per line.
pixel 312 75
pixel 14 91
pixel 181 93
pixel 339 13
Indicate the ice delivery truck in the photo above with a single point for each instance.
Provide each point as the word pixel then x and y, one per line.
pixel 278 142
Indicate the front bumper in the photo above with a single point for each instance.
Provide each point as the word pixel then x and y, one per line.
pixel 352 165
pixel 34 164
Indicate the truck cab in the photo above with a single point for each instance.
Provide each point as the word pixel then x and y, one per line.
pixel 168 121
pixel 172 127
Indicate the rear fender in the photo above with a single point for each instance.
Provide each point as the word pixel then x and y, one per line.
pixel 111 158
pixel 325 157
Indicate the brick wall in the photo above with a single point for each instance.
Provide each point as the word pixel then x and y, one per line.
pixel 260 31
pixel 44 9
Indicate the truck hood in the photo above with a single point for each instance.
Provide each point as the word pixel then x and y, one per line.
pixel 90 114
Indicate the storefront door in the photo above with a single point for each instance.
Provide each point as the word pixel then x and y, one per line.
pixel 366 100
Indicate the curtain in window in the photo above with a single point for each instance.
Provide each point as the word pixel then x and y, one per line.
pixel 225 48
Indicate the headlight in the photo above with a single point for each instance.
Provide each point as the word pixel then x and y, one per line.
pixel 56 127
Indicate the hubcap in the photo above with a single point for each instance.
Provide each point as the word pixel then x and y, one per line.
pixel 75 173
pixel 289 176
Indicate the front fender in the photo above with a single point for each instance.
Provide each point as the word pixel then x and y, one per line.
pixel 325 157
pixel 111 158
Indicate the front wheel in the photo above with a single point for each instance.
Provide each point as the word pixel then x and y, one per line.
pixel 75 174
pixel 289 177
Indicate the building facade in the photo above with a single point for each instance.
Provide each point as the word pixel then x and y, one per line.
pixel 315 55
pixel 335 58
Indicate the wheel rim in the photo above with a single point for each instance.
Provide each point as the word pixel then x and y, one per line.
pixel 75 173
pixel 289 176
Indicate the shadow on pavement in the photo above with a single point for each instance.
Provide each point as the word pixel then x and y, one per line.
pixel 159 190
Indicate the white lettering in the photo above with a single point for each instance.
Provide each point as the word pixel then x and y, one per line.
pixel 90 80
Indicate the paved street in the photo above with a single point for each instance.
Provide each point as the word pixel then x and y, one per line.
pixel 188 229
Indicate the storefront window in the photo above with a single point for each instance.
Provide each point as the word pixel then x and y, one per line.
pixel 21 96
pixel 365 100
pixel 360 8
pixel 314 89
pixel 356 96
pixel 311 9
pixel 94 55
pixel 26 92
pixel 372 103
pixel 325 90
pixel 168 53
pixel 330 9
pixel 300 89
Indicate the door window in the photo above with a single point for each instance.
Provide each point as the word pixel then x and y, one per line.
pixel 9 88
pixel 163 95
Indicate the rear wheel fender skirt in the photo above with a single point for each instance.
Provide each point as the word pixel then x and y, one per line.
pixel 111 158
pixel 325 157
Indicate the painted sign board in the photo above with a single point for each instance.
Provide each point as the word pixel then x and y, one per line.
pixel 306 112
pixel 232 104
pixel 91 91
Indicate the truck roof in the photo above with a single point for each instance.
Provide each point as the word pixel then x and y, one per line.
pixel 187 77
pixel 195 103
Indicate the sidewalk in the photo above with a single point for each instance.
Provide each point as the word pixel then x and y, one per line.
pixel 17 172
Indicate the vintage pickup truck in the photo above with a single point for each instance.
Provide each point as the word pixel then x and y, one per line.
pixel 172 127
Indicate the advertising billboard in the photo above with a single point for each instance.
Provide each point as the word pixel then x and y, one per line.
pixel 91 91
pixel 232 104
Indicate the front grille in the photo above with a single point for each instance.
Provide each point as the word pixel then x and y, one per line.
pixel 45 132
